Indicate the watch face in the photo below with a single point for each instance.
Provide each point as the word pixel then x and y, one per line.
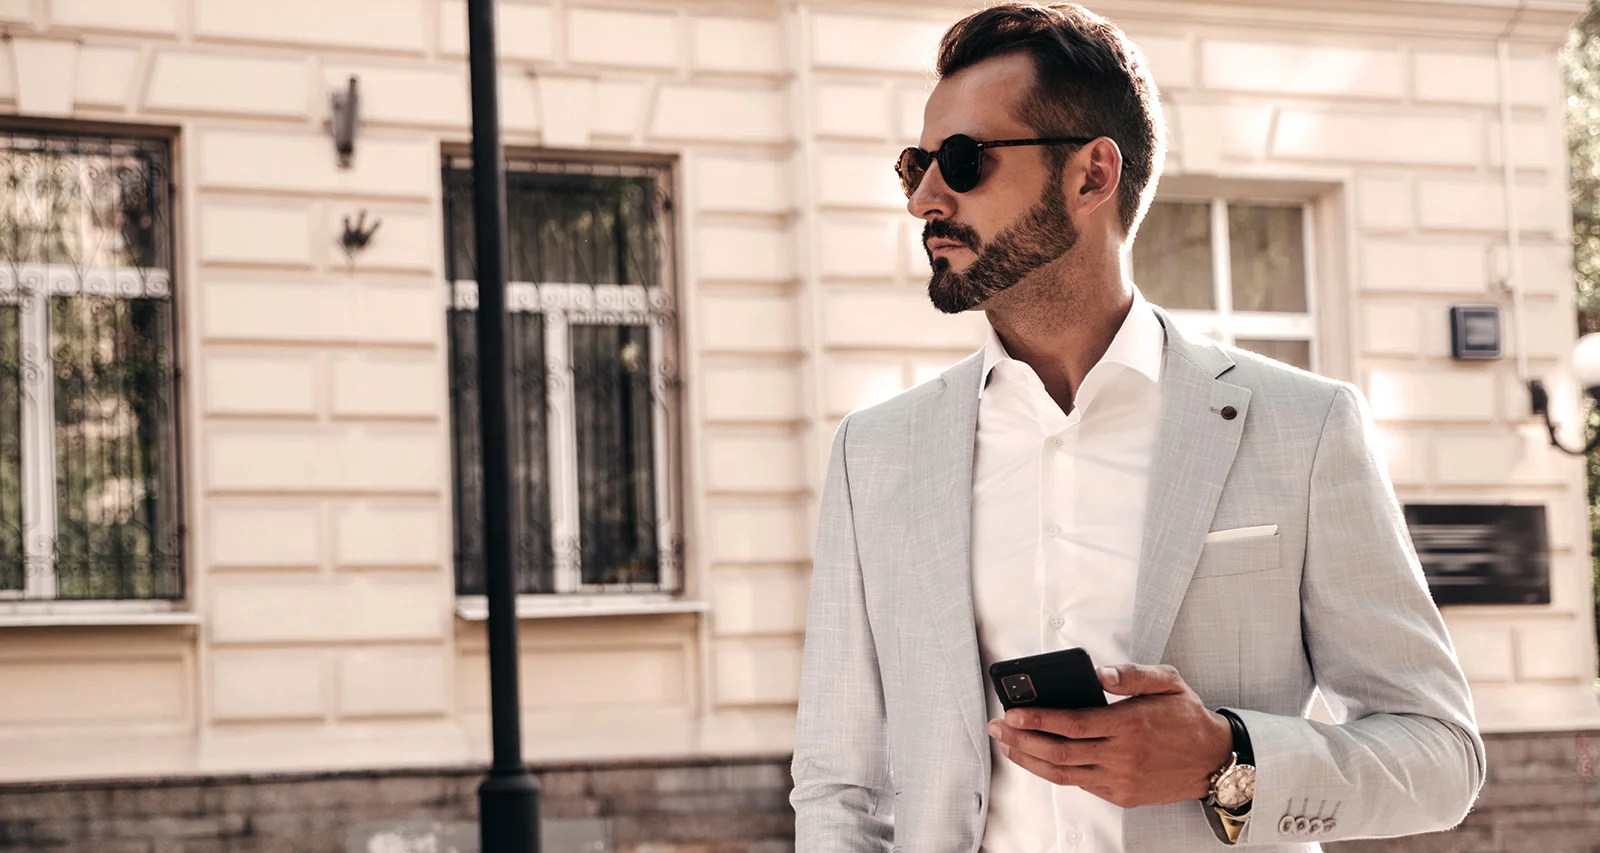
pixel 1236 787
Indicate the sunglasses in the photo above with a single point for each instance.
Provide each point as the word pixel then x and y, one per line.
pixel 960 160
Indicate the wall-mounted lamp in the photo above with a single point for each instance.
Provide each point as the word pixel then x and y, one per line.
pixel 1586 367
pixel 344 116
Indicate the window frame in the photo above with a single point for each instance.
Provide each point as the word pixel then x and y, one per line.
pixel 562 306
pixel 38 602
pixel 1226 325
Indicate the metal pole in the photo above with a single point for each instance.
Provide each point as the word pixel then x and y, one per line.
pixel 508 799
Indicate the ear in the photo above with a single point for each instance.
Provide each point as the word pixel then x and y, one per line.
pixel 1094 176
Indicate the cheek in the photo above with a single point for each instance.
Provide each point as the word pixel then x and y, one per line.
pixel 985 222
pixel 996 214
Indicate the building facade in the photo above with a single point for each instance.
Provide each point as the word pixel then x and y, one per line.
pixel 238 463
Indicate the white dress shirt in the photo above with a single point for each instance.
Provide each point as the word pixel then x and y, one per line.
pixel 1058 510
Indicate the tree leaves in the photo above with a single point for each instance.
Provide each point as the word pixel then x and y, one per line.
pixel 1580 61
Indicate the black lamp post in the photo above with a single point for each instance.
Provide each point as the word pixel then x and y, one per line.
pixel 508 799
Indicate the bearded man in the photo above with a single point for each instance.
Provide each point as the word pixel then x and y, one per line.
pixel 1215 528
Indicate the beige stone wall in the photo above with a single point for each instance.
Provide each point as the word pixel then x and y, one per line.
pixel 316 432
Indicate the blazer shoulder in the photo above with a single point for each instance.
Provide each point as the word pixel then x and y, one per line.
pixel 1283 387
pixel 890 418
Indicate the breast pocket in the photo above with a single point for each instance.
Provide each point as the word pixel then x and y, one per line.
pixel 1230 557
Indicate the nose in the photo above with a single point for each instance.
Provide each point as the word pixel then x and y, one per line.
pixel 932 199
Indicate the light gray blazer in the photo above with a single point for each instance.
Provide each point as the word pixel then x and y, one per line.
pixel 890 748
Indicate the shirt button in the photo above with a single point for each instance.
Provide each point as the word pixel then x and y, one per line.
pixel 1052 529
pixel 1056 442
pixel 1057 622
pixel 1074 836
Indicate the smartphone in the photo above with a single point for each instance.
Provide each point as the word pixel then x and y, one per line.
pixel 1063 680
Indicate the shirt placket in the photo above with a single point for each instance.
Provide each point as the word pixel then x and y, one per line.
pixel 1059 435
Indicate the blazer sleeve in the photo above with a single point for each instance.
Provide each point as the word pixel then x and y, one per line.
pixel 842 795
pixel 1407 757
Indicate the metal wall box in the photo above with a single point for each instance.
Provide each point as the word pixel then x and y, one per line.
pixel 1475 332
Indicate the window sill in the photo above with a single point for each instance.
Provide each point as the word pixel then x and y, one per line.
pixel 93 614
pixel 475 608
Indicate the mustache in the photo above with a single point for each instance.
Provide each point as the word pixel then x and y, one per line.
pixel 945 229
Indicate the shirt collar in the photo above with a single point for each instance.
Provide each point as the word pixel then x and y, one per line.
pixel 1140 344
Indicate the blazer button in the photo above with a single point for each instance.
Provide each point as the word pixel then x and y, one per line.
pixel 977 801
pixel 1286 826
pixel 1229 413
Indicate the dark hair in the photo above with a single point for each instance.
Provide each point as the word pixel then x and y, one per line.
pixel 1090 80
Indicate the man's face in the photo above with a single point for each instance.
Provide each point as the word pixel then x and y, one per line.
pixel 983 241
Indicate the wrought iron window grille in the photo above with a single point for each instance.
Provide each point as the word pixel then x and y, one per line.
pixel 89 465
pixel 593 349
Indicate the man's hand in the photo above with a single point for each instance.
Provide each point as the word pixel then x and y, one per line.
pixel 1161 746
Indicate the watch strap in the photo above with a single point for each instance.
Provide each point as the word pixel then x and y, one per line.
pixel 1241 738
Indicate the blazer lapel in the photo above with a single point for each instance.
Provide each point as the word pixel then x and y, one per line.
pixel 1195 448
pixel 939 550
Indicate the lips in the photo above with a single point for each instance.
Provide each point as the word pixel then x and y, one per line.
pixel 936 245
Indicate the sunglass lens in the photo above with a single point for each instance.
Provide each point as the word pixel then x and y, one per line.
pixel 911 166
pixel 960 162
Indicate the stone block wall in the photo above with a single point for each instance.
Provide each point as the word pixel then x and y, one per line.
pixel 1543 795
pixel 708 807
pixel 316 435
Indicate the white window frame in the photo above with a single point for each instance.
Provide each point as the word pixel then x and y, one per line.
pixel 32 286
pixel 564 306
pixel 1228 326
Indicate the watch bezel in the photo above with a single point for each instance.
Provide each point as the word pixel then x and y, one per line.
pixel 1246 784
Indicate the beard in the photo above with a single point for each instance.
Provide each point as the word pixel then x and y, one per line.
pixel 1043 235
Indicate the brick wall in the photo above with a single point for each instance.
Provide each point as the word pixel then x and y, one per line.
pixel 725 807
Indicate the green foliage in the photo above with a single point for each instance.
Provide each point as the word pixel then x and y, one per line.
pixel 1581 61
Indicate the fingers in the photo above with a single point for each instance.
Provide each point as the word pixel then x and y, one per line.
pixel 1095 780
pixel 1045 747
pixel 1087 724
pixel 1076 775
pixel 1080 764
pixel 1132 679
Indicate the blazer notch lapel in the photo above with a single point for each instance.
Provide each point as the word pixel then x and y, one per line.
pixel 943 429
pixel 1202 421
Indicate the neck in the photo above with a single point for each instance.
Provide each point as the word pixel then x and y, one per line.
pixel 1063 325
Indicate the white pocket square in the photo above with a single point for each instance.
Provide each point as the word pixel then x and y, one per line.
pixel 1242 533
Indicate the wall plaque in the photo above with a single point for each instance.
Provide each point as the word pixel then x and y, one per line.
pixel 1482 554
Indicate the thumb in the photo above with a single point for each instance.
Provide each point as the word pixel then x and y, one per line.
pixel 1132 679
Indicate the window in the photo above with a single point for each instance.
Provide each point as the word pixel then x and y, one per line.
pixel 1237 272
pixel 89 499
pixel 592 352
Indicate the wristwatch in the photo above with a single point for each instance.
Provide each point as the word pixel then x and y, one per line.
pixel 1233 787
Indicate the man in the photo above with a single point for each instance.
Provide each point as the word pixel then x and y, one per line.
pixel 1215 528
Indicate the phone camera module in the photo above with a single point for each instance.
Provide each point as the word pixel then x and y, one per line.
pixel 1019 688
